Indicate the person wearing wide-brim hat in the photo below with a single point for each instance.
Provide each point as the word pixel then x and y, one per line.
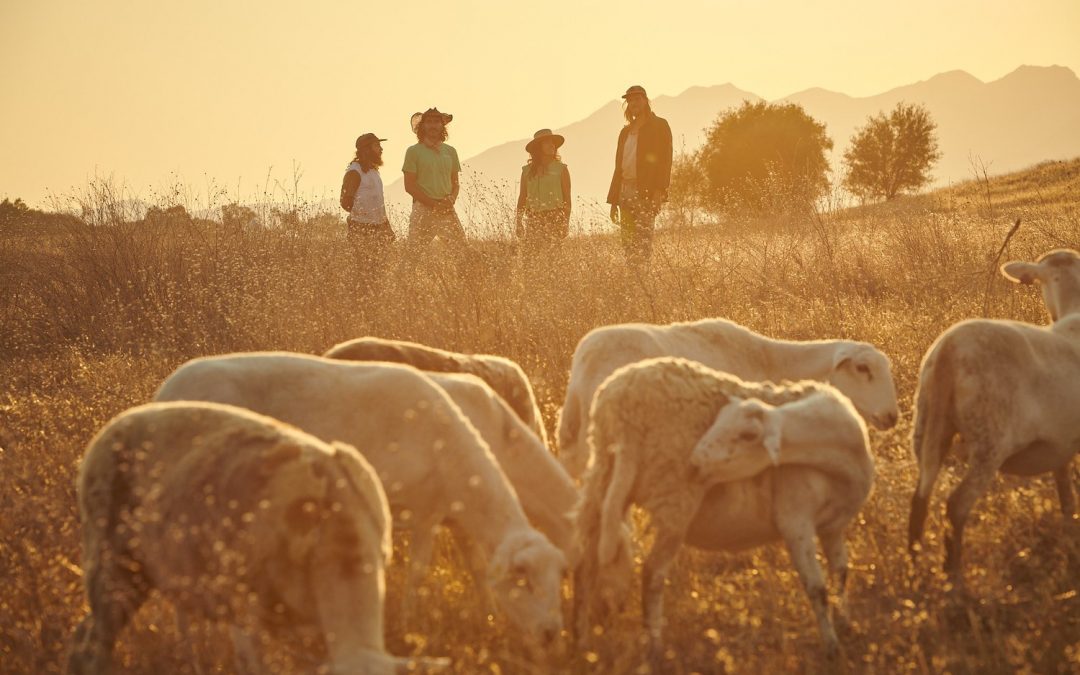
pixel 543 207
pixel 639 185
pixel 431 171
pixel 368 228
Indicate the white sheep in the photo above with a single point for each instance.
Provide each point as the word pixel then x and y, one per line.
pixel 433 464
pixel 857 369
pixel 646 422
pixel 546 491
pixel 1010 391
pixel 503 375
pixel 823 476
pixel 234 517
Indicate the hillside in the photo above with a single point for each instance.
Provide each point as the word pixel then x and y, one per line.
pixel 1028 116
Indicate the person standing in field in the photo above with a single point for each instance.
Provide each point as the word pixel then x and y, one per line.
pixel 543 207
pixel 368 229
pixel 431 171
pixel 642 173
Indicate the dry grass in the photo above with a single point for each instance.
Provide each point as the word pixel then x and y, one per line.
pixel 93 317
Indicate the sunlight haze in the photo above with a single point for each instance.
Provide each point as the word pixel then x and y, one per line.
pixel 210 93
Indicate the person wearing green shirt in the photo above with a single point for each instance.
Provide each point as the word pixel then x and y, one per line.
pixel 431 171
pixel 543 207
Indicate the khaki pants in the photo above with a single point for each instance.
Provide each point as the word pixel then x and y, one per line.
pixel 637 217
pixel 426 223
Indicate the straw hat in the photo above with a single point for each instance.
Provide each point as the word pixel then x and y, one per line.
pixel 417 118
pixel 541 135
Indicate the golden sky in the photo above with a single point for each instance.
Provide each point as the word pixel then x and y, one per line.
pixel 224 92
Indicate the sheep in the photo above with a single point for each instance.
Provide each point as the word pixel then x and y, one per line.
pixel 503 375
pixel 234 517
pixel 1009 390
pixel 431 460
pixel 546 491
pixel 824 474
pixel 646 422
pixel 857 369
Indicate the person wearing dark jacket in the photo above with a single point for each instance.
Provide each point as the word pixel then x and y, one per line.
pixel 642 173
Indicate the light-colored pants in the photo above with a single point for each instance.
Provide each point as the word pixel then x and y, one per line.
pixel 426 223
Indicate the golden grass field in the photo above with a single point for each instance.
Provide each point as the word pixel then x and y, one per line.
pixel 92 318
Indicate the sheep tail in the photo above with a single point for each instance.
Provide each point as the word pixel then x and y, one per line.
pixel 932 432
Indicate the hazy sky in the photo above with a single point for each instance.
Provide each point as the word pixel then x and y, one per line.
pixel 222 92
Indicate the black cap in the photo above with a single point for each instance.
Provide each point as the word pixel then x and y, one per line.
pixel 367 139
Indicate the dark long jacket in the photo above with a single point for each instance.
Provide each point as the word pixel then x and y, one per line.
pixel 653 160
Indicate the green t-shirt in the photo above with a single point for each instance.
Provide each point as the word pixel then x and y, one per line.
pixel 433 167
pixel 543 192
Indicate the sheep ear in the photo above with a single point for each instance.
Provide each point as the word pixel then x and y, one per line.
pixel 771 436
pixel 843 355
pixel 1021 272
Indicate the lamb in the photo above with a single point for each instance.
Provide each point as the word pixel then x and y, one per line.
pixel 647 422
pixel 503 375
pixel 235 517
pixel 823 476
pixel 431 460
pixel 1010 391
pixel 857 369
pixel 547 493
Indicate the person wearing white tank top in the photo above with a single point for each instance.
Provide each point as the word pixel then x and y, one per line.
pixel 368 229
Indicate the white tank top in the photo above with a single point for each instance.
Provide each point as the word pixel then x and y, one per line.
pixel 368 205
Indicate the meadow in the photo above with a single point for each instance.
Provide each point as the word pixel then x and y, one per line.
pixel 94 313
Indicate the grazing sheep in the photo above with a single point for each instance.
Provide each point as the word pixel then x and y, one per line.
pixel 503 375
pixel 823 475
pixel 431 460
pixel 546 492
pixel 857 369
pixel 234 517
pixel 1010 391
pixel 646 422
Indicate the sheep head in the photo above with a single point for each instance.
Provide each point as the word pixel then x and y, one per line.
pixel 1058 275
pixel 526 576
pixel 744 440
pixel 864 375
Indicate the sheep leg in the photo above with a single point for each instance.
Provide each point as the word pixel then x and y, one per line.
pixel 832 541
pixel 476 563
pixel 115 590
pixel 799 537
pixel 961 501
pixel 1066 494
pixel 929 469
pixel 421 545
pixel 653 578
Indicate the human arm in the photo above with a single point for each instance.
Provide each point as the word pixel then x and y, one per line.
pixel 666 151
pixel 349 185
pixel 416 192
pixel 520 211
pixel 567 196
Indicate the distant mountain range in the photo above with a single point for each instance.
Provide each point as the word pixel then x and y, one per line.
pixel 1030 115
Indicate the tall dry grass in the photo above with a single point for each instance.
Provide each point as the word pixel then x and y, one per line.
pixel 95 313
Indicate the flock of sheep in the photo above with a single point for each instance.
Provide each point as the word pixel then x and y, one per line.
pixel 259 488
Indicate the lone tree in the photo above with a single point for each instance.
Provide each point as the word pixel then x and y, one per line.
pixel 765 156
pixel 892 154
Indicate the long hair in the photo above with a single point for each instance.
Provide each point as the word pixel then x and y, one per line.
pixel 420 132
pixel 535 163
pixel 367 159
pixel 626 111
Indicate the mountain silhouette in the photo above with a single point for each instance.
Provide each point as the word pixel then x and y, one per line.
pixel 1030 115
